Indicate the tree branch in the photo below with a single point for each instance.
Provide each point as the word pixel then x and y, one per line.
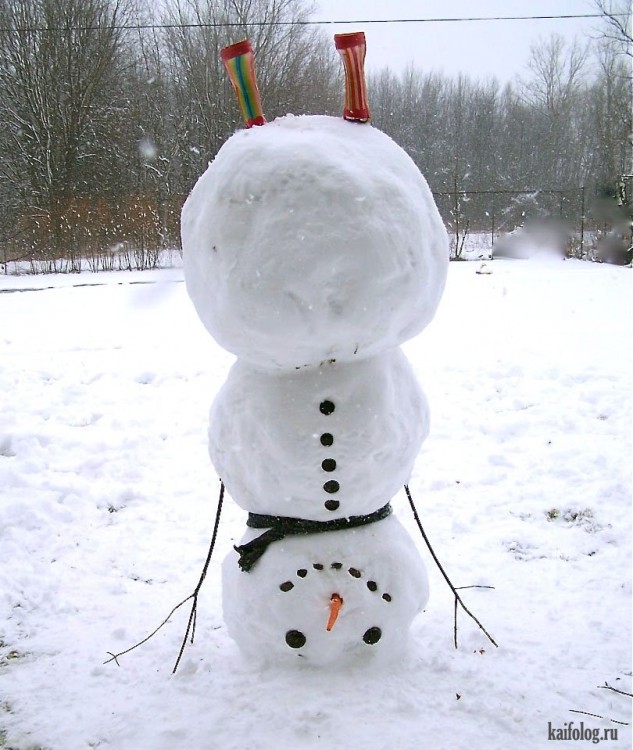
pixel 597 716
pixel 454 589
pixel 606 686
pixel 621 29
pixel 191 624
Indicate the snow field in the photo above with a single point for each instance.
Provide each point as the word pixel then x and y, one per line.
pixel 107 499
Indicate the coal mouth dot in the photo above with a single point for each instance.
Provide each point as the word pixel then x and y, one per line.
pixel 372 636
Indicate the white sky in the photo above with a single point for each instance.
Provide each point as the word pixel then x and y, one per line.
pixel 480 49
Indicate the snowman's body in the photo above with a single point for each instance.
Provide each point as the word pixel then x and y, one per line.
pixel 321 442
pixel 313 249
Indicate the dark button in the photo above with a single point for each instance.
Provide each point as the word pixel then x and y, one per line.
pixel 329 464
pixel 327 439
pixel 331 504
pixel 337 565
pixel 331 486
pixel 372 585
pixel 354 572
pixel 286 586
pixel 295 639
pixel 386 597
pixel 326 407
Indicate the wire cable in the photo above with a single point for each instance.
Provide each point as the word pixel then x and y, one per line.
pixel 317 22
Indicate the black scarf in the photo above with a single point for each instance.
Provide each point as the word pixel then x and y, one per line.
pixel 280 526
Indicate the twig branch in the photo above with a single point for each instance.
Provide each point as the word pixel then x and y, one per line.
pixel 114 657
pixel 606 686
pixel 191 624
pixel 597 716
pixel 458 599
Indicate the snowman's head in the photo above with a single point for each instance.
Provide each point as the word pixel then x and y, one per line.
pixel 342 597
pixel 313 238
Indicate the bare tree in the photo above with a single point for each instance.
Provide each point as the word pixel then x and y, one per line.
pixel 557 70
pixel 59 66
pixel 296 67
pixel 618 23
pixel 553 93
pixel 611 120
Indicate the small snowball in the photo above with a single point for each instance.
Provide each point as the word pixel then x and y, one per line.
pixel 280 610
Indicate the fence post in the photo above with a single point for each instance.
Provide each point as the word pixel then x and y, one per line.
pixel 456 206
pixel 492 224
pixel 582 221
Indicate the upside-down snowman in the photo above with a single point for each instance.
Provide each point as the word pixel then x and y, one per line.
pixel 312 250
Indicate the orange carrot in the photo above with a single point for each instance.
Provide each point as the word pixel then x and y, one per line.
pixel 336 602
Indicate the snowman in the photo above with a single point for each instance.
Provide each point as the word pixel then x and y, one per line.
pixel 312 250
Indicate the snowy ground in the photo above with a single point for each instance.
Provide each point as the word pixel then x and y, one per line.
pixel 107 500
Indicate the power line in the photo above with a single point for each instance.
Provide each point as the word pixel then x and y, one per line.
pixel 233 24
pixel 469 18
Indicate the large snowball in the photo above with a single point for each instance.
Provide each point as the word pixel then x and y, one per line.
pixel 278 611
pixel 320 442
pixel 312 238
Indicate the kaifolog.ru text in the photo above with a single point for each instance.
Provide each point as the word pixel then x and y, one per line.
pixel 572 732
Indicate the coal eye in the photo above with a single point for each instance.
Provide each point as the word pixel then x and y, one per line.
pixel 372 636
pixel 296 639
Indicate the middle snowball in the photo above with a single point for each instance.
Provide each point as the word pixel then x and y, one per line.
pixel 320 442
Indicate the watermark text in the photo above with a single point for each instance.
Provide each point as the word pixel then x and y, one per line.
pixel 572 731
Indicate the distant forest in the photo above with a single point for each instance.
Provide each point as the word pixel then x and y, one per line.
pixel 111 109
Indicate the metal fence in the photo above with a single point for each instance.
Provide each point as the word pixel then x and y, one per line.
pixel 498 212
pixel 585 225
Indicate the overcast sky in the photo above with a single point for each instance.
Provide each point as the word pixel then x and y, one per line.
pixel 481 49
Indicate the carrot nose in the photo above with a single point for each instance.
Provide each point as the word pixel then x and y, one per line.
pixel 336 602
